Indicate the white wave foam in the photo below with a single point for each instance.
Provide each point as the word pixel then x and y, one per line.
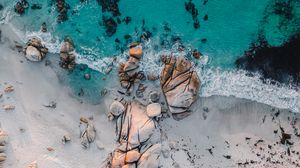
pixel 237 83
pixel 214 81
pixel 7 14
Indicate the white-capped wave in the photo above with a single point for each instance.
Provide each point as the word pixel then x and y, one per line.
pixel 237 83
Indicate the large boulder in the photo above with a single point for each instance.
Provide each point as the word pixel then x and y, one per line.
pixel 180 85
pixel 67 55
pixel 35 50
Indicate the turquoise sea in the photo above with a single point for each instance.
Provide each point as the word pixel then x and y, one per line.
pixel 223 36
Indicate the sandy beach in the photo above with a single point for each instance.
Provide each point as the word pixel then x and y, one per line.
pixel 220 132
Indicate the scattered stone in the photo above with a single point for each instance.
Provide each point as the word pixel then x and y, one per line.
pixel 227 156
pixel 8 89
pixel 84 120
pixel 66 139
pixel 8 107
pixel 50 149
pixel 153 110
pixel 32 165
pixel 204 40
pixel 52 104
pixel 35 50
pixel 205 109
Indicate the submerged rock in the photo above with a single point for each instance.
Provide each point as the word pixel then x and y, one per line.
pixel 35 50
pixel 21 6
pixel 180 85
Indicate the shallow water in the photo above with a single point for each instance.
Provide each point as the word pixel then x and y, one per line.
pixel 231 27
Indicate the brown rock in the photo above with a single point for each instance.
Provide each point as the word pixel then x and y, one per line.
pixel 180 85
pixel 132 156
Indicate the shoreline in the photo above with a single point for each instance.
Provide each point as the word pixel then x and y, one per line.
pixel 31 129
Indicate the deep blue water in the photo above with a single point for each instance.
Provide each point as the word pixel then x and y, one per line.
pixel 229 30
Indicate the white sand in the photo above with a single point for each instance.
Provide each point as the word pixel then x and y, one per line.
pixel 228 120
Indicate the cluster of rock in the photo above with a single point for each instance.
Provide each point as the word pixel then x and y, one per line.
pixel 62 8
pixel 129 71
pixel 3 141
pixel 137 135
pixel 180 85
pixel 191 8
pixel 67 56
pixel 35 50
pixel 87 132
pixel 21 6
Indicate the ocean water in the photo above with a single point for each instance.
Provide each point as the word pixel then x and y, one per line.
pixel 231 27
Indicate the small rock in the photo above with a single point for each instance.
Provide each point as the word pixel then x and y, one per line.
pixel 32 165
pixel 87 76
pixel 51 104
pixel 9 89
pixel 8 107
pixel 117 108
pixel 2 157
pixel 50 149
pixel 153 110
pixel 152 76
pixel 66 139
pixel 110 116
pixel 84 120
pixel 154 96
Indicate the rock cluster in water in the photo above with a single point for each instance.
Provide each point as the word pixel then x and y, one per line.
pixel 129 71
pixel 67 57
pixel 35 50
pixel 191 8
pixel 62 8
pixel 180 85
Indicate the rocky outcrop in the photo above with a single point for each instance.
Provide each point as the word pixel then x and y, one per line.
pixel 21 6
pixel 3 141
pixel 136 136
pixel 129 71
pixel 180 85
pixel 67 56
pixel 35 50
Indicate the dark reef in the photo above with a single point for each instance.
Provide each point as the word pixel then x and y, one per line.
pixel 279 63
